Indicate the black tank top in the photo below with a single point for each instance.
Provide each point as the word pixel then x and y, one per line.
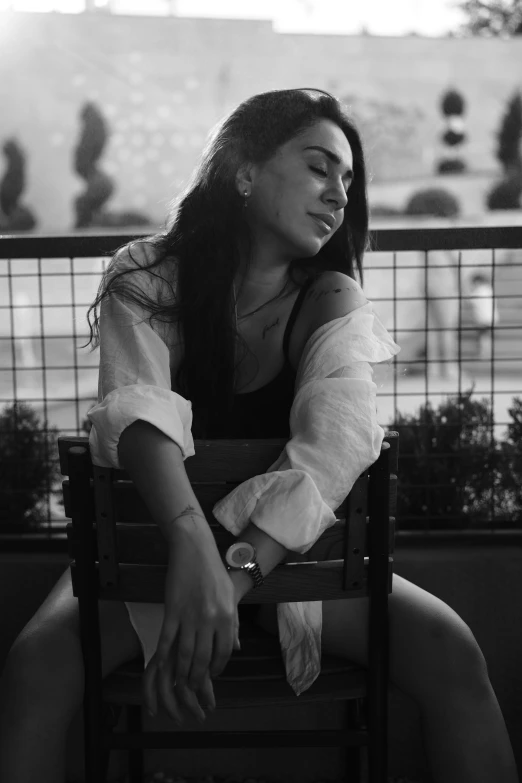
pixel 265 412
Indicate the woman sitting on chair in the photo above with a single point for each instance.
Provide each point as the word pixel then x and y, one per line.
pixel 262 254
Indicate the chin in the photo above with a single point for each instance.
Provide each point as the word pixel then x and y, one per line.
pixel 312 249
pixel 309 247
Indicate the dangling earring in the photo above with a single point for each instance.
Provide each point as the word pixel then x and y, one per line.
pixel 245 203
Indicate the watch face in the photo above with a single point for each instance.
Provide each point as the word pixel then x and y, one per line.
pixel 239 554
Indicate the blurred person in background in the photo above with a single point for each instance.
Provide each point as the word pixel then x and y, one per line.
pixel 484 310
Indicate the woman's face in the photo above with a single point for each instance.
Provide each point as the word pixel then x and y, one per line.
pixel 298 197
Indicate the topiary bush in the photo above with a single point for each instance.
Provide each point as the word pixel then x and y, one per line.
pixel 433 201
pixel 453 474
pixel 451 166
pixel 385 210
pixel 506 194
pixel 509 136
pixel 29 466
pixel 453 108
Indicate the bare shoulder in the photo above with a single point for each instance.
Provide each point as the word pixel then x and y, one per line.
pixel 333 295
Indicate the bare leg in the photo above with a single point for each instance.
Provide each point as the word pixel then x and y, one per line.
pixel 465 738
pixel 33 727
pixel 41 688
pixel 435 659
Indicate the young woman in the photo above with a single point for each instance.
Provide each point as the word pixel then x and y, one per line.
pixel 264 247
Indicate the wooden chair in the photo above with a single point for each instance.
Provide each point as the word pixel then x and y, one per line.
pixel 118 553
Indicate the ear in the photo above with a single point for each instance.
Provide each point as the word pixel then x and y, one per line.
pixel 245 179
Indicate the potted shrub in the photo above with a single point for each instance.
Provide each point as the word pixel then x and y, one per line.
pixel 453 473
pixel 29 468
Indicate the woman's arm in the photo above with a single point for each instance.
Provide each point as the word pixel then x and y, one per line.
pixel 155 464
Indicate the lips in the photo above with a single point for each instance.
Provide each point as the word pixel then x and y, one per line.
pixel 324 218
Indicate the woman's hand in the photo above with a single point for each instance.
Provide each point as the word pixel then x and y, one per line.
pixel 200 626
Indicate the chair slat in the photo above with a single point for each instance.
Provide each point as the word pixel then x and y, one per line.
pixel 215 460
pixel 339 680
pixel 221 460
pixel 145 543
pixel 285 583
pixel 129 506
pixel 392 438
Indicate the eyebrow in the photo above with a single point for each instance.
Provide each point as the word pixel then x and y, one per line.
pixel 332 156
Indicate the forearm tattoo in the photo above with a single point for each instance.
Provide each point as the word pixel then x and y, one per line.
pixel 189 511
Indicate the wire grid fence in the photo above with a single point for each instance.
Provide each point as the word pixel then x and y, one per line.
pixel 421 284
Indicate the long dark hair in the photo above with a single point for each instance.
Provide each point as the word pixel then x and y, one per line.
pixel 202 243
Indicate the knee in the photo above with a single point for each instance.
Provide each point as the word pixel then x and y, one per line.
pixel 456 655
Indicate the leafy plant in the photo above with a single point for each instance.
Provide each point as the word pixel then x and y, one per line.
pixel 452 470
pixel 29 466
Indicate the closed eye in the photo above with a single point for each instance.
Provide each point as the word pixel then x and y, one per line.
pixel 324 173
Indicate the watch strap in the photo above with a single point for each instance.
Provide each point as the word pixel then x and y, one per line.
pixel 255 572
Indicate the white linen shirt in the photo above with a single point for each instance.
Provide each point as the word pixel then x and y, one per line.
pixel 334 438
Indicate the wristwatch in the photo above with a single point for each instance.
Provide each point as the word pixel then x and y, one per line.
pixel 242 555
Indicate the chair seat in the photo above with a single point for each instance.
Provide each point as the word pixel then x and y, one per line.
pixel 255 674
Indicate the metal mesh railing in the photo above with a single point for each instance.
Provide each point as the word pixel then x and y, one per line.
pixel 451 298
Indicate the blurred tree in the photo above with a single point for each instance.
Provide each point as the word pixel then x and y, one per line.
pixel 86 155
pixel 491 17
pixel 510 135
pixel 506 193
pixel 13 215
pixel 90 204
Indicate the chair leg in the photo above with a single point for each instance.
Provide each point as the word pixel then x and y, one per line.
pixel 352 760
pixel 352 754
pixel 134 725
pixel 378 741
pixel 96 758
pixel 111 716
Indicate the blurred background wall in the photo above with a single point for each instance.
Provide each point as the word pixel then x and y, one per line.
pixel 161 83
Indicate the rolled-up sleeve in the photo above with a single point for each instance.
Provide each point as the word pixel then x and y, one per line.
pixel 134 381
pixel 335 436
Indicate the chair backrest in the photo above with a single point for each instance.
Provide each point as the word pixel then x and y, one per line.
pixel 112 530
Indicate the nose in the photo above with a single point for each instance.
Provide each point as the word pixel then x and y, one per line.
pixel 337 195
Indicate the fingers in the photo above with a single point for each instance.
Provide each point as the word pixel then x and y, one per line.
pixel 186 653
pixel 201 660
pixel 167 683
pixel 205 693
pixel 166 696
pixel 178 676
pixel 159 678
pixel 224 642
pixel 182 696
pixel 188 698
